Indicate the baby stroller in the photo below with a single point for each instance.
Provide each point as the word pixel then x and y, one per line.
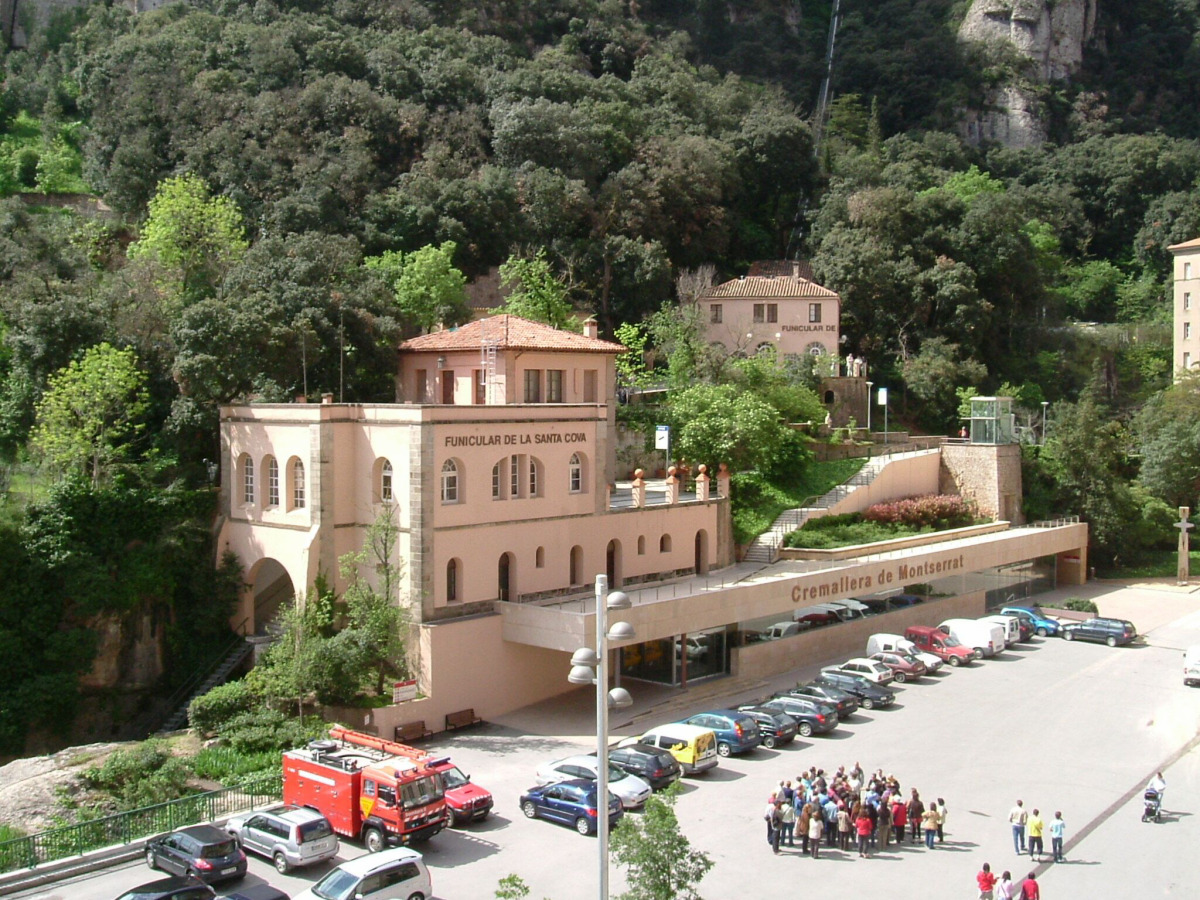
pixel 1152 808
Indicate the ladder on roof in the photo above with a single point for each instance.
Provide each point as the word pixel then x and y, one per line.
pixel 488 363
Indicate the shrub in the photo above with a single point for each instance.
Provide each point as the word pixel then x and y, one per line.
pixel 224 764
pixel 262 730
pixel 208 712
pixel 140 776
pixel 1078 604
pixel 930 511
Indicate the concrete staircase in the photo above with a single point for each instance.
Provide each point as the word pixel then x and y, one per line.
pixel 235 654
pixel 764 549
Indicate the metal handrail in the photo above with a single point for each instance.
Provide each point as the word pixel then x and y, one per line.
pixel 183 691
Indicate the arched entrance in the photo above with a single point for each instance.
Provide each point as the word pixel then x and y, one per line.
pixel 576 565
pixel 612 564
pixel 269 588
pixel 701 552
pixel 505 575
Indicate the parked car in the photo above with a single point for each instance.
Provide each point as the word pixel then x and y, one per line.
pixel 899 601
pixel 1024 627
pixel 289 836
pixel 466 801
pixel 816 616
pixel 257 892
pixel 811 717
pixel 202 851
pixel 736 732
pixel 869 694
pixel 398 873
pixel 844 702
pixel 936 641
pixel 904 667
pixel 895 643
pixel 655 766
pixel 694 748
pixel 570 803
pixel 1191 665
pixel 783 629
pixel 1108 631
pixel 632 790
pixel 777 728
pixel 842 610
pixel 870 669
pixel 877 605
pixel 1010 626
pixel 177 887
pixel 1042 625
pixel 985 638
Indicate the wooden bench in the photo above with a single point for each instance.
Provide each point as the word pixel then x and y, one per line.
pixel 412 731
pixel 461 719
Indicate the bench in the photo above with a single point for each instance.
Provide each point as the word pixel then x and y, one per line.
pixel 412 731
pixel 461 719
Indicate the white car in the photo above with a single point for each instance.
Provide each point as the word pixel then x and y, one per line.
pixel 870 669
pixel 632 791
pixel 395 874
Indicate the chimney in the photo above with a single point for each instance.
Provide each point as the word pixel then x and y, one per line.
pixel 326 398
pixel 591 327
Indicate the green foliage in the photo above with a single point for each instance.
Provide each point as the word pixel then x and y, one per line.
pixel 720 424
pixel 227 766
pixel 536 293
pixel 262 730
pixel 660 862
pixel 9 833
pixel 429 289
pixel 1168 436
pixel 1079 604
pixel 631 365
pixel 758 500
pixel 140 776
pixel 884 521
pixel 209 712
pixel 90 411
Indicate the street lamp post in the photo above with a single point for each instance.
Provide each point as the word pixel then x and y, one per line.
pixel 591 667
pixel 1045 403
pixel 869 385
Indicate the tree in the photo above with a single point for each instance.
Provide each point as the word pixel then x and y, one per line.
pixel 933 374
pixel 722 424
pixel 536 293
pixel 660 860
pixel 90 412
pixel 1168 437
pixel 429 290
pixel 193 235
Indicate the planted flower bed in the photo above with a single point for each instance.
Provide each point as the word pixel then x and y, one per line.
pixel 886 521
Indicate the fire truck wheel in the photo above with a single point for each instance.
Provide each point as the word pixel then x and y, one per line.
pixel 374 840
pixel 281 863
pixel 151 859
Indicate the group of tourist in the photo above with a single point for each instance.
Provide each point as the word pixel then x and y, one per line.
pixel 849 806
pixel 1004 888
pixel 1028 830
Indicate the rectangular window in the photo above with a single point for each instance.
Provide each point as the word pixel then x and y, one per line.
pixel 480 387
pixel 1187 270
pixel 554 385
pixel 533 385
pixel 514 477
pixel 533 482
pixel 1187 360
pixel 772 312
pixel 814 313
pixel 714 313
pixel 422 386
pixel 273 484
pixel 247 480
pixel 589 386
pixel 760 312
pixel 1187 299
pixel 497 489
pixel 448 387
pixel 1187 330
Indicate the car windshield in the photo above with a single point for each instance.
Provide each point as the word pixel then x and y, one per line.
pixel 420 791
pixel 337 885
pixel 314 831
pixel 453 777
pixel 950 641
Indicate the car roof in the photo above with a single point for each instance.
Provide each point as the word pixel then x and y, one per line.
pixel 365 865
pixel 682 729
pixel 577 759
pixel 297 814
pixel 162 885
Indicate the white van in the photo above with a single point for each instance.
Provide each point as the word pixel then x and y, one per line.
pixel 782 630
pixel 843 611
pixel 1012 628
pixel 1191 665
pixel 898 643
pixel 985 638
pixel 694 747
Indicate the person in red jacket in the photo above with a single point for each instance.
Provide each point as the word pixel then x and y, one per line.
pixel 899 820
pixel 986 881
pixel 1029 887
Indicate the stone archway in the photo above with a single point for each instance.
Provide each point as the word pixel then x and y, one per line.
pixel 613 563
pixel 269 588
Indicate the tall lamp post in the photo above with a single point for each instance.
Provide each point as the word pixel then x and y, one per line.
pixel 1045 403
pixel 591 667
pixel 869 384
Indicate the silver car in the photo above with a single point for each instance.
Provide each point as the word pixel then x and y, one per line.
pixel 289 836
pixel 632 790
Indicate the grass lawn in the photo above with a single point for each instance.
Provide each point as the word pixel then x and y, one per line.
pixel 850 534
pixel 1151 564
pixel 760 502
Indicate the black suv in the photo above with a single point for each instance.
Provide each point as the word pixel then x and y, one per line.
pixel 1108 631
pixel 777 728
pixel 201 851
pixel 176 888
pixel 651 764
pixel 869 695
pixel 811 717
pixel 845 702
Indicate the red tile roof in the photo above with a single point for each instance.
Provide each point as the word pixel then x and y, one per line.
pixel 769 286
pixel 1186 245
pixel 509 333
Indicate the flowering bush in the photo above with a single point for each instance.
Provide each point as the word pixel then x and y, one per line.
pixel 931 511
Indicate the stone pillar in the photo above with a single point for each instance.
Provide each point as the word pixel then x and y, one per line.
pixel 702 483
pixel 672 485
pixel 639 489
pixel 723 480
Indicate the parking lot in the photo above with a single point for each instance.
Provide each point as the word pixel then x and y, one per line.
pixel 1077 727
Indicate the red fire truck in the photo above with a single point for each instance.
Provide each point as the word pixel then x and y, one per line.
pixel 379 791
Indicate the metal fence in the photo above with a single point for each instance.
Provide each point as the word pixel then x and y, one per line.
pixel 122 828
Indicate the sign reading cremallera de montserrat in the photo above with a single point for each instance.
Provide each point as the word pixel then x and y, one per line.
pixel 513 440
pixel 899 573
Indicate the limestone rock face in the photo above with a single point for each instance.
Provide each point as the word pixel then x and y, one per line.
pixel 1051 34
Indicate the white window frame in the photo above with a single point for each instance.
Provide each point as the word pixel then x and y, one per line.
pixel 514 476
pixel 386 474
pixel 450 492
pixel 247 480
pixel 575 474
pixel 298 493
pixel 272 482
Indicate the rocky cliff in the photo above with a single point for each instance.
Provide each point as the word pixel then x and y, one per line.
pixel 1050 35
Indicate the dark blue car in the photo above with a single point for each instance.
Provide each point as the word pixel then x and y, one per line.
pixel 736 731
pixel 571 803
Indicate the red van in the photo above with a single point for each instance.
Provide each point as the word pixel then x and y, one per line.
pixel 931 640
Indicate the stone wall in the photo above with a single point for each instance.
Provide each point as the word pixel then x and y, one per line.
pixel 988 474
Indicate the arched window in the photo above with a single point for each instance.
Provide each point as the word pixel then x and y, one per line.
pixel 829 398
pixel 535 480
pixel 452 568
pixel 816 348
pixel 296 476
pixel 449 482
pixel 272 481
pixel 664 544
pixel 575 473
pixel 247 479
pixel 641 545
pixel 539 557
pixel 514 477
pixel 385 482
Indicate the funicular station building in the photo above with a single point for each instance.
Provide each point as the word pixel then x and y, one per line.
pixel 497 466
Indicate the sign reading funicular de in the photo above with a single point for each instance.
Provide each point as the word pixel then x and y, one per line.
pixel 512 440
